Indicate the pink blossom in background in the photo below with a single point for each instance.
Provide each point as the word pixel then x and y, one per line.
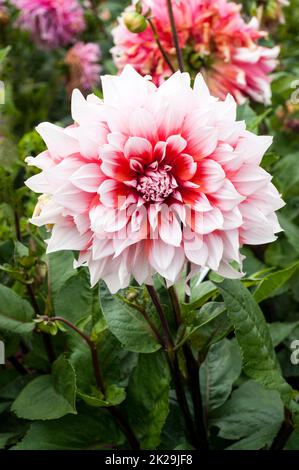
pixel 148 178
pixel 84 69
pixel 52 23
pixel 215 40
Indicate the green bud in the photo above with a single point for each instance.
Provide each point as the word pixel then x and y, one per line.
pixel 135 22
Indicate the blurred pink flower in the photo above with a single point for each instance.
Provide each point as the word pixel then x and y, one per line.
pixel 148 178
pixel 52 23
pixel 215 40
pixel 84 69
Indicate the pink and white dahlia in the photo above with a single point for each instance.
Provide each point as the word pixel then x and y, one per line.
pixel 150 178
pixel 84 68
pixel 215 40
pixel 52 23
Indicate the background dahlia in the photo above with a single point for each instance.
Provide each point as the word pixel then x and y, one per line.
pixel 84 68
pixel 52 23
pixel 152 177
pixel 215 40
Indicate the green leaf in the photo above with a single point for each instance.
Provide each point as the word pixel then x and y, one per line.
pixel 148 401
pixel 245 113
pixel 90 429
pixel 274 281
pixel 293 441
pixel 4 439
pixel 291 231
pixel 15 313
pixel 127 323
pixel 253 415
pixel 206 314
pixel 75 298
pixel 287 172
pixel 114 396
pixel 116 363
pixel 4 53
pixel 220 370
pixel 60 269
pixel 252 333
pixel 254 122
pixel 48 396
pixel 200 295
pixel 280 331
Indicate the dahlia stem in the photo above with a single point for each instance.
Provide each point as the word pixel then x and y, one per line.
pixel 165 327
pixel 284 433
pixel 175 36
pixel 123 424
pixel 47 340
pixel 188 270
pixel 175 370
pixel 193 375
pixel 158 42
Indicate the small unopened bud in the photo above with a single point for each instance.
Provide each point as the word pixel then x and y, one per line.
pixel 135 22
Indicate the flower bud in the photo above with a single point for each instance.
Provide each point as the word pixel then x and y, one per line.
pixel 135 22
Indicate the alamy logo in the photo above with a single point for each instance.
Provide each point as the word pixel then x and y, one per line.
pixel 295 95
pixel 2 353
pixel 295 354
pixel 2 93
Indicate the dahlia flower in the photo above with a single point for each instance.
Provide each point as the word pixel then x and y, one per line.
pixel 4 18
pixel 52 23
pixel 149 178
pixel 84 69
pixel 215 40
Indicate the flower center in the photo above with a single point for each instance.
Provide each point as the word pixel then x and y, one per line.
pixel 155 186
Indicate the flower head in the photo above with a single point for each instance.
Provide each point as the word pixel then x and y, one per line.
pixel 4 17
pixel 52 23
pixel 84 69
pixel 150 178
pixel 215 40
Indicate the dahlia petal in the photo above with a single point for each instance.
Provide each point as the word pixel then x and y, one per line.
pixel 39 183
pixel 138 148
pixel 202 142
pixel 251 147
pixel 170 229
pixel 65 236
pixel 171 275
pixel 115 194
pixel 73 199
pixel 267 199
pixel 231 245
pixel 196 250
pixel 249 179
pixel 225 270
pixel 88 177
pixel 101 248
pixel 59 143
pixel 84 111
pixel 117 140
pixel 207 222
pixel 42 161
pixel 184 167
pixel 115 165
pixel 140 271
pixel 143 124
pixel 210 176
pixel 215 250
pixel 232 219
pixel 227 197
pixel 175 145
pixel 201 89
pixel 50 214
pixel 161 255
